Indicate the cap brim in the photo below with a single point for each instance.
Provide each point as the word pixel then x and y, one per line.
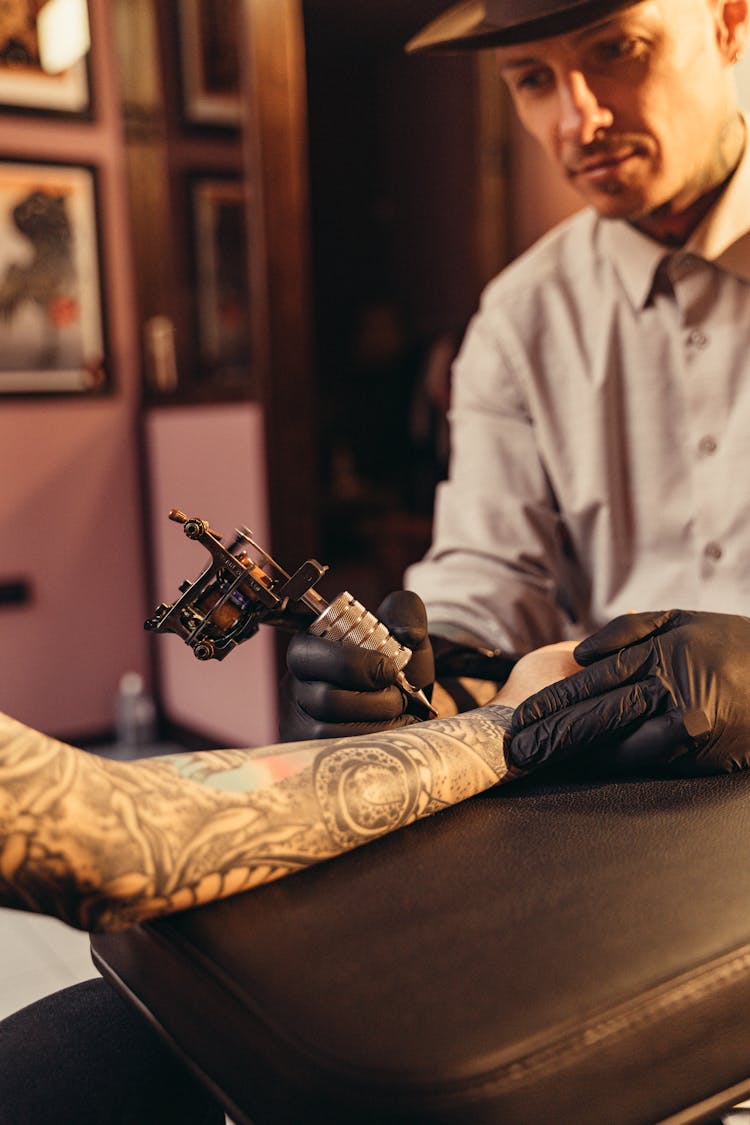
pixel 468 27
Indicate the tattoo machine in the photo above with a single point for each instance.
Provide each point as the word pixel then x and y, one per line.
pixel 242 588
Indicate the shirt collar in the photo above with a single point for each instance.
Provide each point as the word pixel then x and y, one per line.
pixel 723 237
pixel 634 256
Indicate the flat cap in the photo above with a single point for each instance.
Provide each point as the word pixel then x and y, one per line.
pixel 474 24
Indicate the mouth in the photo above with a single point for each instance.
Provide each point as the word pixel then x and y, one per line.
pixel 601 166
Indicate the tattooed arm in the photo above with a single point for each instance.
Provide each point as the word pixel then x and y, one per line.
pixel 104 844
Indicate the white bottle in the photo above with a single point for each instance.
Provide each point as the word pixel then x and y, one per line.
pixel 135 713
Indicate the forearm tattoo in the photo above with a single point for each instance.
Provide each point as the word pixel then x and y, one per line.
pixel 104 844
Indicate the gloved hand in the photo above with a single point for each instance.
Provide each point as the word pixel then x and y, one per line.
pixel 332 689
pixel 658 688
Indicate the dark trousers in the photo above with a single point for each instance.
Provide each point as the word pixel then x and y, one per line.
pixel 84 1057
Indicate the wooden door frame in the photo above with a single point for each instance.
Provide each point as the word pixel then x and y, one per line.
pixel 276 168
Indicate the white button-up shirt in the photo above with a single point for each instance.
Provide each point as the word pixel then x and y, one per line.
pixel 601 435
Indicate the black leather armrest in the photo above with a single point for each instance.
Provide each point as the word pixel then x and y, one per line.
pixel 578 952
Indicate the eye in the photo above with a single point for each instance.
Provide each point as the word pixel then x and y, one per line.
pixel 532 81
pixel 623 48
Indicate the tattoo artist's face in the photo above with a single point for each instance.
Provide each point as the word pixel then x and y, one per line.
pixel 635 108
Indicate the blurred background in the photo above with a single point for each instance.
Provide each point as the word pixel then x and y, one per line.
pixel 242 240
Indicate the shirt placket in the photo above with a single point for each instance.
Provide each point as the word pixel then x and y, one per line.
pixel 696 290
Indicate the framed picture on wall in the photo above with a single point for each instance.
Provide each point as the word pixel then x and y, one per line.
pixel 43 61
pixel 209 48
pixel 51 323
pixel 221 278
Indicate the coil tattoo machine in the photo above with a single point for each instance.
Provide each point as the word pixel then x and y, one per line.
pixel 242 588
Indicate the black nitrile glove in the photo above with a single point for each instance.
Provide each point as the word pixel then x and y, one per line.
pixel 453 659
pixel 658 688
pixel 332 689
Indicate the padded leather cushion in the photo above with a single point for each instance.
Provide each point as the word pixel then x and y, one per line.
pixel 578 951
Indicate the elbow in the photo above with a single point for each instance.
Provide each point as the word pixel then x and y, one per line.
pixel 119 904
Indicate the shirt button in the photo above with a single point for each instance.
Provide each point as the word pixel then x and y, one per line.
pixel 697 339
pixel 713 551
pixel 708 444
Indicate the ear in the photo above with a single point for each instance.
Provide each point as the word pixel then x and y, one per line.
pixel 732 19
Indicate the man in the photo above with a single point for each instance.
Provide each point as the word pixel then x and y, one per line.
pixel 601 401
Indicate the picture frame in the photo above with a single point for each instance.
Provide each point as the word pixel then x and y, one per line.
pixel 52 337
pixel 223 313
pixel 24 83
pixel 210 62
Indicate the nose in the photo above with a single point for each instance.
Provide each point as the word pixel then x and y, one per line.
pixel 581 114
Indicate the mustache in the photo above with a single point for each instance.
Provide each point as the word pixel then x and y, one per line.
pixel 601 149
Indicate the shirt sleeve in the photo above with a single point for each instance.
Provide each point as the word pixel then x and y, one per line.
pixel 492 574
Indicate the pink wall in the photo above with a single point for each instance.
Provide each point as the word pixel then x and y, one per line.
pixel 210 461
pixel 70 518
